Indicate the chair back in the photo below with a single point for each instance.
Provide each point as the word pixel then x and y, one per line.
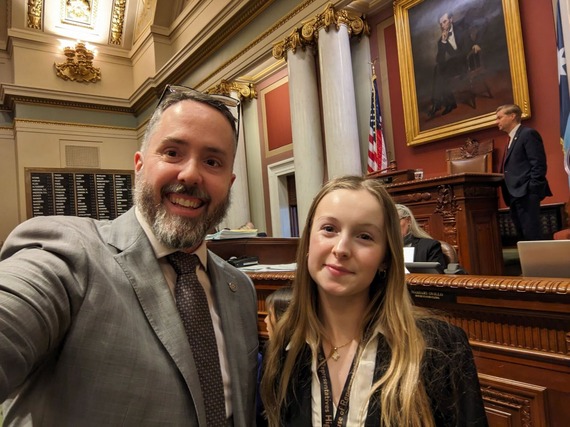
pixel 473 156
pixel 449 252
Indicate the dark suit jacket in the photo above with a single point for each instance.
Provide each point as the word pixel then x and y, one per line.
pixel 448 373
pixel 426 250
pixel 453 62
pixel 524 166
pixel 90 334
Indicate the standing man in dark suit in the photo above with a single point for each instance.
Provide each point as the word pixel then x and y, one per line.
pixel 524 168
pixel 91 332
pixel 453 46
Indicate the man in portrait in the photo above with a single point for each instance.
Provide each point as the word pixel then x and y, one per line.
pixel 456 46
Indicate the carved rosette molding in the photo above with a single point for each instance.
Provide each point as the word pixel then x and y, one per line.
pixel 307 34
pixel 35 12
pixel 117 22
pixel 245 90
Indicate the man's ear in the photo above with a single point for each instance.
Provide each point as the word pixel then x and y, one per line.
pixel 138 161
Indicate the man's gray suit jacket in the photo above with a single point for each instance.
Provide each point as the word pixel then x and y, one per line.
pixel 90 334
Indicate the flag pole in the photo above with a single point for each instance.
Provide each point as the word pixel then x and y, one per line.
pixel 377 153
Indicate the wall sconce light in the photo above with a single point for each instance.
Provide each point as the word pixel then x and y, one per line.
pixel 79 65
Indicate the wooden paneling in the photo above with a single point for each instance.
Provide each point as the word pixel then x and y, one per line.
pixel 461 210
pixel 269 250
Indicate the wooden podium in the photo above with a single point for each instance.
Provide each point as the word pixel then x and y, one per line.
pixel 462 210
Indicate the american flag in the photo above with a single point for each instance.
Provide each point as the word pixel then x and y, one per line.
pixel 377 159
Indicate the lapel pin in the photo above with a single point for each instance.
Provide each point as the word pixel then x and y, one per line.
pixel 232 286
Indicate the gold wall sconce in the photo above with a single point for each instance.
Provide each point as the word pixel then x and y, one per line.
pixel 79 65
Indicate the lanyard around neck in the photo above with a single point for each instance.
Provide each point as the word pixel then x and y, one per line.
pixel 340 419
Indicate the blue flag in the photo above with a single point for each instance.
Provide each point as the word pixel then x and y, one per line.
pixel 564 93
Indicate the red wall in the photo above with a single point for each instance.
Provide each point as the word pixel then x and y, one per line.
pixel 539 38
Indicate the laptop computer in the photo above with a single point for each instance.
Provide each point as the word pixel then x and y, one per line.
pixel 424 267
pixel 545 258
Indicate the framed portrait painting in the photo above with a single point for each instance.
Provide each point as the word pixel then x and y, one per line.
pixel 459 60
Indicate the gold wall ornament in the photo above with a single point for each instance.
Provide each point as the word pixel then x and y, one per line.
pixel 79 65
pixel 307 33
pixel 35 10
pixel 354 23
pixel 291 43
pixel 244 90
pixel 117 22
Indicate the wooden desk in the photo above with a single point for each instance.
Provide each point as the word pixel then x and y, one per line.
pixel 519 330
pixel 461 210
pixel 269 250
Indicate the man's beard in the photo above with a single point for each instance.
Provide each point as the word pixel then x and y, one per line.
pixel 175 231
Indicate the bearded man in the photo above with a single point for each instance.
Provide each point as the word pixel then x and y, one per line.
pixel 133 321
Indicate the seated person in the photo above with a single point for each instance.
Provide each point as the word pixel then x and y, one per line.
pixel 425 247
pixel 276 304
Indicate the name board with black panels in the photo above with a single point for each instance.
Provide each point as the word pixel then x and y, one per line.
pixel 99 194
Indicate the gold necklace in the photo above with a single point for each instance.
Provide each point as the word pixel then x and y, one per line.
pixel 334 354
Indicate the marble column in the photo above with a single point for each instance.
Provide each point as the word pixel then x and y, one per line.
pixel 305 120
pixel 362 72
pixel 239 211
pixel 337 91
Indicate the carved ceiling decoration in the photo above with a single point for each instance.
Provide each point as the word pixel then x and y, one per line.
pixel 79 12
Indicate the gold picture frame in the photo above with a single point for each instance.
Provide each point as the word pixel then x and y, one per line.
pixel 495 27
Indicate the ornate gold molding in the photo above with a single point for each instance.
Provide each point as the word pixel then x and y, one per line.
pixel 35 12
pixel 355 24
pixel 117 22
pixel 11 100
pixel 307 33
pixel 244 90
pixel 291 43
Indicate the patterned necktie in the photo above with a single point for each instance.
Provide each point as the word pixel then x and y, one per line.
pixel 192 305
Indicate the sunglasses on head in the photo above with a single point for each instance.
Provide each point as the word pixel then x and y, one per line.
pixel 232 103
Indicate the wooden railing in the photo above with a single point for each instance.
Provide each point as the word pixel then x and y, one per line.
pixel 519 329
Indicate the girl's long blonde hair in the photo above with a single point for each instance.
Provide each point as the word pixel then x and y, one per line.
pixel 403 399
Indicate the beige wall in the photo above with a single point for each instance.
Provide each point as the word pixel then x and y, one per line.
pixel 43 145
pixel 8 184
